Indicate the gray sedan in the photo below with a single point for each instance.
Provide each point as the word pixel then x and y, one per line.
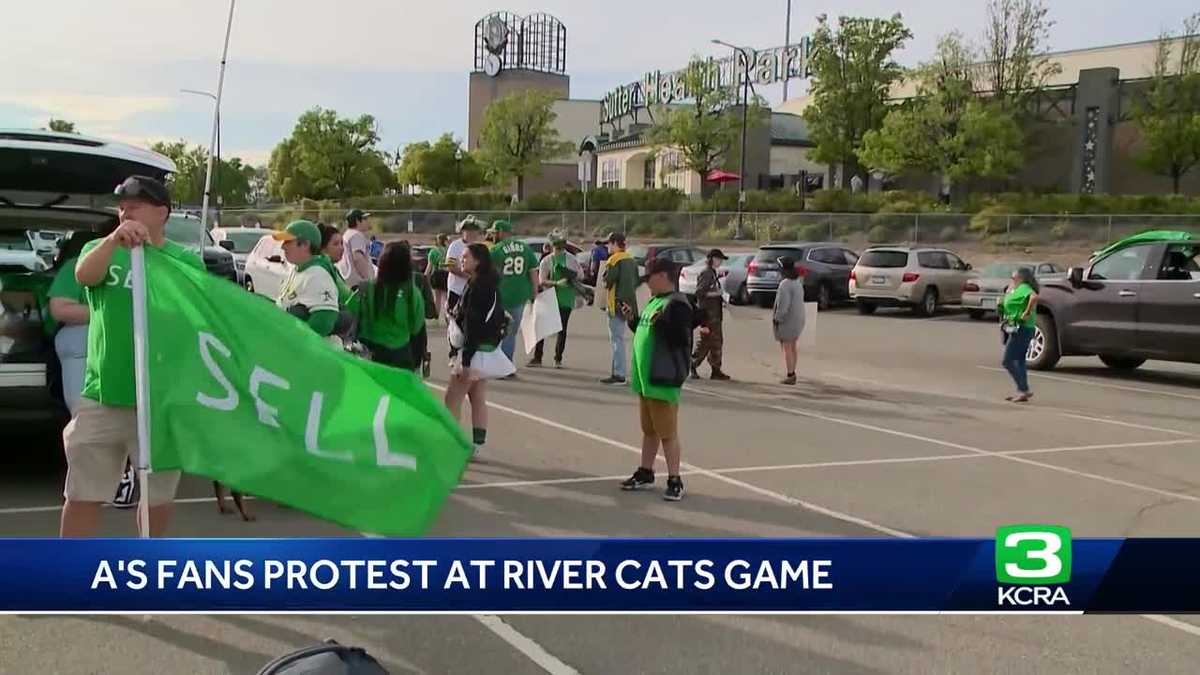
pixel 733 277
pixel 983 292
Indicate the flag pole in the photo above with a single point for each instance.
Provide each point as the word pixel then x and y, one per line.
pixel 141 385
pixel 216 121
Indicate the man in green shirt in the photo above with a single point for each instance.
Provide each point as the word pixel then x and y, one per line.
pixel 621 280
pixel 560 271
pixel 103 433
pixel 517 266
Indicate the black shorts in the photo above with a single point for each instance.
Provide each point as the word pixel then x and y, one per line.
pixel 438 280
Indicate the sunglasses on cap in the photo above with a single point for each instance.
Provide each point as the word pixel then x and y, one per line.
pixel 135 188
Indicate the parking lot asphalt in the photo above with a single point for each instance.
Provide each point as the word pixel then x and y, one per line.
pixel 897 427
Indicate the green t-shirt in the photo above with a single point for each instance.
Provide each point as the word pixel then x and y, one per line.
pixel 558 272
pixel 108 378
pixel 513 260
pixel 64 286
pixel 643 351
pixel 437 258
pixel 1014 304
pixel 392 329
pixel 343 291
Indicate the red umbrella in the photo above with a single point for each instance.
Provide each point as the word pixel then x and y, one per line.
pixel 720 176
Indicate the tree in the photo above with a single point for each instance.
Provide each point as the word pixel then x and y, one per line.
pixel 231 183
pixel 328 157
pixel 1169 115
pixel 947 129
pixel 62 126
pixel 518 135
pixel 1016 44
pixel 440 165
pixel 705 131
pixel 853 73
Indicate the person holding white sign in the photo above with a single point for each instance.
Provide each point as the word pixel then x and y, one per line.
pixel 559 271
pixel 789 315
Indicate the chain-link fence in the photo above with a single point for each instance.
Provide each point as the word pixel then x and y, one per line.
pixel 998 231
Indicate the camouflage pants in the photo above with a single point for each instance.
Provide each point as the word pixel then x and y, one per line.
pixel 710 346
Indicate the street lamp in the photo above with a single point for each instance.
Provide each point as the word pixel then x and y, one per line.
pixel 745 112
pixel 217 117
pixel 458 158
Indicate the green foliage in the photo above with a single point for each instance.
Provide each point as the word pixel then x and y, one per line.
pixel 519 135
pixel 62 126
pixel 991 220
pixel 1169 115
pixel 231 182
pixel 329 157
pixel 853 72
pixel 439 166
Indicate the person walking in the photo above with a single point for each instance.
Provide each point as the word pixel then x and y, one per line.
pixel 711 301
pixel 621 280
pixel 596 260
pixel 661 349
pixel 102 435
pixel 355 266
pixel 788 317
pixel 1018 312
pixel 435 271
pixel 560 271
pixel 470 229
pixel 392 312
pixel 517 266
pixel 478 324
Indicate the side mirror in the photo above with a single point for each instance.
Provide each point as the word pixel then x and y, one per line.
pixel 226 244
pixel 967 267
pixel 275 259
pixel 1075 276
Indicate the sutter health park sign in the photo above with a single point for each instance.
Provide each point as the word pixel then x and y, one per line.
pixel 768 66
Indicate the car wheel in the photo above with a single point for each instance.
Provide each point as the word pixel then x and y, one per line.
pixel 929 303
pixel 764 300
pixel 976 314
pixel 866 307
pixel 249 284
pixel 824 297
pixel 743 296
pixel 1044 350
pixel 1122 362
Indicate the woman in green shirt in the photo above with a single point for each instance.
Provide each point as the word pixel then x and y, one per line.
pixel 437 272
pixel 1018 311
pixel 392 311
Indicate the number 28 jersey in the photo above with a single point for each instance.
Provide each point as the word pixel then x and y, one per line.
pixel 513 260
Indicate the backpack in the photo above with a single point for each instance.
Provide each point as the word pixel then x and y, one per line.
pixel 671 367
pixel 327 658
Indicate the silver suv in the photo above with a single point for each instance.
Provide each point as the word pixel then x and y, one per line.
pixel 901 276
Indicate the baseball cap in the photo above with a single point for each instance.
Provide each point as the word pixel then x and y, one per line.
pixel 356 215
pixel 659 265
pixel 469 223
pixel 616 238
pixel 303 230
pixel 557 238
pixel 501 226
pixel 716 253
pixel 145 188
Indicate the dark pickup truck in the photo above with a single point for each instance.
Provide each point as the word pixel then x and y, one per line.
pixel 1138 299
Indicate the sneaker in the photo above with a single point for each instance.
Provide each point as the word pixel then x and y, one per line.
pixel 720 376
pixel 613 379
pixel 534 363
pixel 558 363
pixel 640 478
pixel 674 491
pixel 695 373
pixel 510 377
pixel 790 379
pixel 426 365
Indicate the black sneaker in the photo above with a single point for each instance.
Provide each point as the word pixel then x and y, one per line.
pixel 695 373
pixel 534 363
pixel 558 363
pixel 674 491
pixel 613 379
pixel 721 377
pixel 639 479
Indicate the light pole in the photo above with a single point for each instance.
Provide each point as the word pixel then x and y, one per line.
pixel 745 112
pixel 458 158
pixel 787 43
pixel 216 119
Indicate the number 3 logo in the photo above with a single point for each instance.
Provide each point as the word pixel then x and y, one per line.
pixel 1051 564
pixel 1033 554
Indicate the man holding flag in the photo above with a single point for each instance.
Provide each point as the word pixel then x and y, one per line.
pixel 103 433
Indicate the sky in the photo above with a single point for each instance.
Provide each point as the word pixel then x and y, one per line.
pixel 115 67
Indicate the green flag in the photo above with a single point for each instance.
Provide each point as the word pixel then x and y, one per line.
pixel 250 396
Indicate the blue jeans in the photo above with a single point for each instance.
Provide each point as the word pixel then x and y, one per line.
pixel 1014 357
pixel 509 344
pixel 616 334
pixel 71 345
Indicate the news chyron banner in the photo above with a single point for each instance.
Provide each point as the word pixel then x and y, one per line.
pixel 1026 568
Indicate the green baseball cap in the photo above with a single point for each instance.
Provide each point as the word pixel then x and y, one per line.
pixel 304 230
pixel 501 226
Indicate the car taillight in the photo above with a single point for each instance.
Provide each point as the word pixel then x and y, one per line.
pixel 753 269
pixel 970 287
pixel 853 275
pixel 802 271
pixel 910 277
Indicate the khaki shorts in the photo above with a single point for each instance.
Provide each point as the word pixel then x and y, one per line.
pixel 660 419
pixel 97 442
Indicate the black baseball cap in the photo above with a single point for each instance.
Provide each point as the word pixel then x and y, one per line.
pixel 716 253
pixel 616 238
pixel 356 216
pixel 659 266
pixel 147 189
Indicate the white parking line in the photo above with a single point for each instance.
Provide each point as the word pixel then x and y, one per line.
pixel 532 650
pixel 58 507
pixel 1131 425
pixel 950 444
pixel 1106 385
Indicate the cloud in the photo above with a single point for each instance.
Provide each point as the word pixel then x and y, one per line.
pixel 91 111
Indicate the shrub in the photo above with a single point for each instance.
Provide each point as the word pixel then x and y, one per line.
pixel 949 233
pixel 813 232
pixel 829 201
pixel 991 220
pixel 879 234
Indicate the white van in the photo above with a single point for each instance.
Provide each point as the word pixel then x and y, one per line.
pixel 60 182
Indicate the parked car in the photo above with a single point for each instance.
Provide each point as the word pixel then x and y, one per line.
pixel 733 277
pixel 902 276
pixel 983 291
pixel 824 266
pixel 241 240
pixel 1136 300
pixel 18 254
pixel 46 243
pixel 50 181
pixel 186 230
pixel 680 256
pixel 541 246
pixel 266 266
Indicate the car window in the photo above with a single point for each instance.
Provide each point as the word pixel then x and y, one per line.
pixel 884 259
pixel 1046 269
pixel 851 257
pixel 824 255
pixel 15 241
pixel 934 260
pixel 244 242
pixel 267 247
pixel 955 262
pixel 770 255
pixel 681 255
pixel 1124 265
pixel 638 253
pixel 1182 263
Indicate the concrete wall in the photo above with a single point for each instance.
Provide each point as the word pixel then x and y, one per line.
pixel 484 89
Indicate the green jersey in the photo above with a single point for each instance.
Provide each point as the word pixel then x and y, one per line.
pixel 1014 304
pixel 558 273
pixel 514 260
pixel 64 286
pixel 392 329
pixel 108 378
pixel 437 258
pixel 643 352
